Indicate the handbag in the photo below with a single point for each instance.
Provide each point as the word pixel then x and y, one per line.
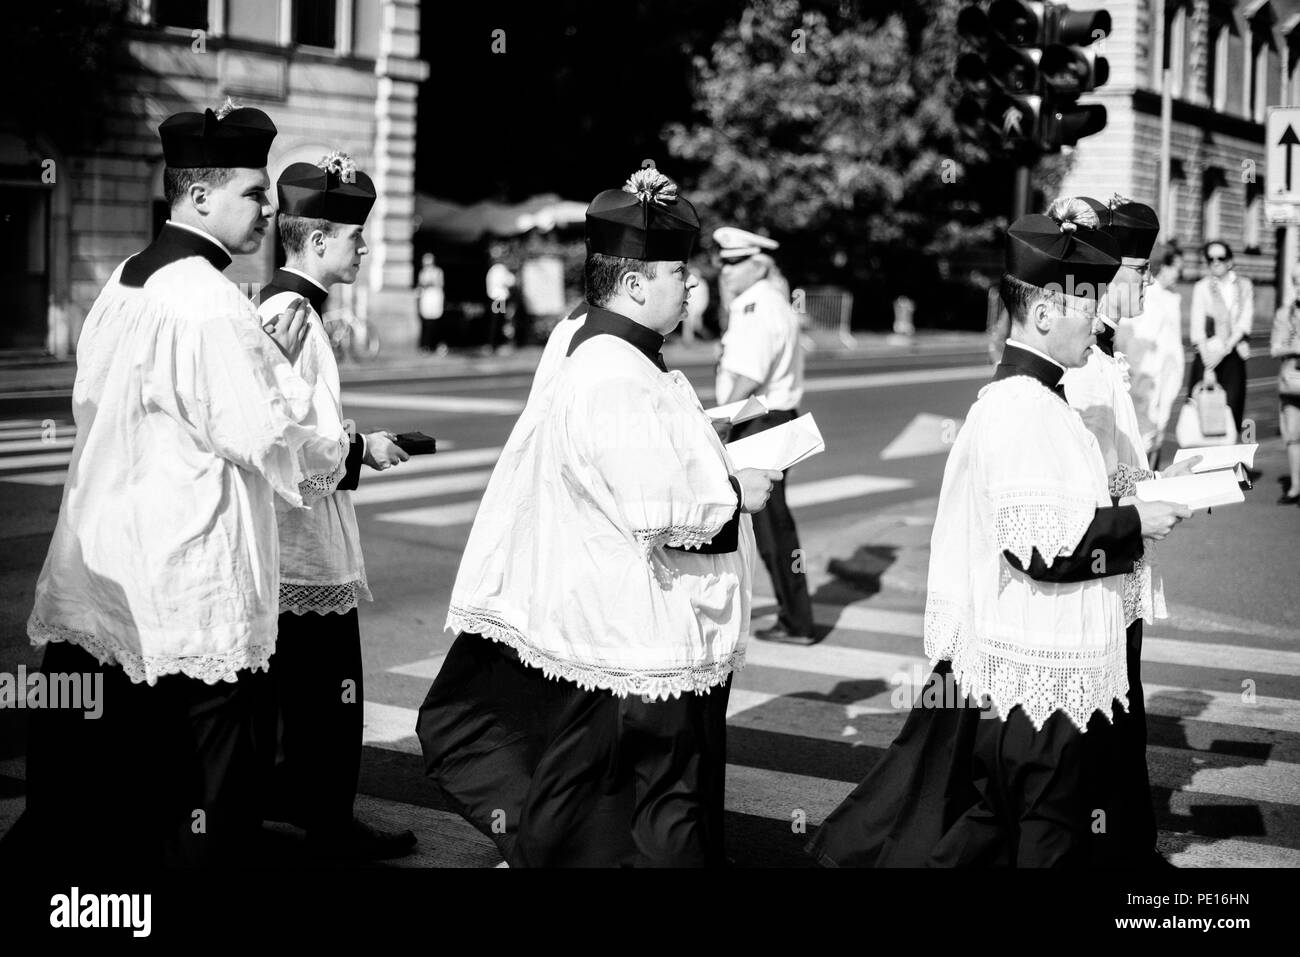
pixel 1206 418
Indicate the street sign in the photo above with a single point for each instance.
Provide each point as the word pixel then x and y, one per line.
pixel 1282 140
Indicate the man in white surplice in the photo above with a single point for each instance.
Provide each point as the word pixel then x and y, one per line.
pixel 603 599
pixel 1099 392
pixel 1024 606
pixel 161 578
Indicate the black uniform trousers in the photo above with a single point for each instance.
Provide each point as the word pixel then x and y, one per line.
pixel 316 707
pixel 778 539
pixel 167 775
pixel 1231 373
pixel 559 776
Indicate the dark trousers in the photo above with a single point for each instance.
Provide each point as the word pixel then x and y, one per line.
pixel 167 775
pixel 778 540
pixel 1231 373
pixel 1123 778
pixel 559 776
pixel 316 705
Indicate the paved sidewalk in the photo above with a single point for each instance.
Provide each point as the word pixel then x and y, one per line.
pixel 28 374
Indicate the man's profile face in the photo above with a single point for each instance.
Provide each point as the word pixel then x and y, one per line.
pixel 667 294
pixel 238 212
pixel 343 252
pixel 1126 293
pixel 1073 331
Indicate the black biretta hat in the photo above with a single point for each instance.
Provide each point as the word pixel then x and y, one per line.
pixel 1062 255
pixel 332 189
pixel 1135 226
pixel 239 137
pixel 645 220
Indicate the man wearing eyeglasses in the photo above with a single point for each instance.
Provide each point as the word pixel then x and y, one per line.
pixel 1223 309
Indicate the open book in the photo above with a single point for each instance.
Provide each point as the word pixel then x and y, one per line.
pixel 778 448
pixel 1219 456
pixel 1204 490
pixel 739 411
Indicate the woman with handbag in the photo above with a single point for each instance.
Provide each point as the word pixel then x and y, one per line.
pixel 1223 310
pixel 1285 345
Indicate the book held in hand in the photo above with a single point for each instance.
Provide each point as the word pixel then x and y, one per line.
pixel 1219 457
pixel 778 448
pixel 1203 490
pixel 416 443
pixel 740 411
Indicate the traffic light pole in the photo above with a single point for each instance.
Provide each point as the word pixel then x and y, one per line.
pixel 1023 192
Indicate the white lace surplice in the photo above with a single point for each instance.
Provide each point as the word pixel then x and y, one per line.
pixel 610 461
pixel 189 423
pixel 321 565
pixel 1024 474
pixel 1098 392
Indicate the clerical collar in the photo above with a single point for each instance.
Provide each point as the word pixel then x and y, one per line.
pixel 175 242
pixel 1026 360
pixel 194 230
pixel 1106 339
pixel 294 281
pixel 603 322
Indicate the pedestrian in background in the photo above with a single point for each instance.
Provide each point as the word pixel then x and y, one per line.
pixel 1153 343
pixel 431 301
pixel 1285 345
pixel 501 284
pixel 762 356
pixel 1223 309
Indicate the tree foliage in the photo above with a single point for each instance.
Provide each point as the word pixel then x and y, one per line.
pixel 831 126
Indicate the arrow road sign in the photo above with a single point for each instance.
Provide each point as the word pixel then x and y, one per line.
pixel 1283 178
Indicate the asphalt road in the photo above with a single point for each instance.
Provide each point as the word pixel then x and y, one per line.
pixel 806 724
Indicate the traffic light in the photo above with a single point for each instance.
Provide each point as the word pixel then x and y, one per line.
pixel 1028 65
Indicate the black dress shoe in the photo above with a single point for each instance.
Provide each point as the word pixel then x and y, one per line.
pixel 361 842
pixel 1289 499
pixel 779 634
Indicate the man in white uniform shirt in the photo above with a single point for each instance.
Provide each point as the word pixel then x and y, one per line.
pixel 317 697
pixel 162 573
pixel 762 356
pixel 602 602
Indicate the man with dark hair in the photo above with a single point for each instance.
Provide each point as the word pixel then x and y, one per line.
pixel 161 576
pixel 316 673
pixel 602 602
pixel 1024 611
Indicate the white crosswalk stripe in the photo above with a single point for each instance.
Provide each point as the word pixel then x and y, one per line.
pixel 797 694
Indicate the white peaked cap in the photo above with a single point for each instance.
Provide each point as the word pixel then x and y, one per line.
pixel 735 243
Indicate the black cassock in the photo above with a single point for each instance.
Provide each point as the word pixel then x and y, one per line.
pixel 962 788
pixel 559 776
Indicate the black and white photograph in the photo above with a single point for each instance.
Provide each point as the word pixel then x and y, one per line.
pixel 746 435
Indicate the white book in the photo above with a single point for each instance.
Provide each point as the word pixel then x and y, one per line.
pixel 739 411
pixel 1219 456
pixel 1194 491
pixel 778 448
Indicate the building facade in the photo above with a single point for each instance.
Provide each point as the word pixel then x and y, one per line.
pixel 1227 62
pixel 332 74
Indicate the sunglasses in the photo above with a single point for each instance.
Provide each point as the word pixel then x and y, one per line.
pixel 1219 259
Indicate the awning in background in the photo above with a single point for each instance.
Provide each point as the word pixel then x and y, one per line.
pixel 468 224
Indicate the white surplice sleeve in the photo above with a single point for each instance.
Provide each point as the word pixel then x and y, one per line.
pixel 238 396
pixel 657 460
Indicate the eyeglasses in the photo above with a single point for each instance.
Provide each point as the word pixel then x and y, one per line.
pixel 1219 259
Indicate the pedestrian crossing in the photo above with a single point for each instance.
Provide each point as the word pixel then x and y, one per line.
pixel 434 491
pixel 807 724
